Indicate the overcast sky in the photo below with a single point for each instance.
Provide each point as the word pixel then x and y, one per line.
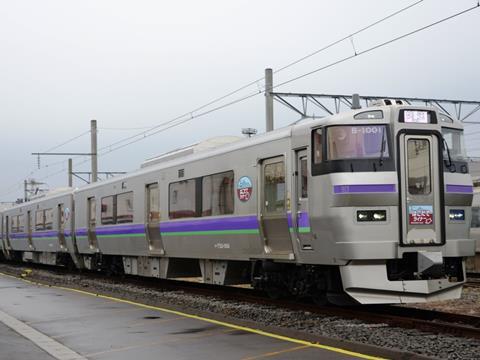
pixel 134 64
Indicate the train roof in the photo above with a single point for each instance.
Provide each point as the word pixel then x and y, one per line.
pixel 56 193
pixel 297 128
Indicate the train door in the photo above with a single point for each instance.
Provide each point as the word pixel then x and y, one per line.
pixel 301 223
pixel 421 190
pixel 29 229
pixel 274 207
pixel 92 222
pixel 61 225
pixel 154 238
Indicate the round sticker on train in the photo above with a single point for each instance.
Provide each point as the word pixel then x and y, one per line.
pixel 66 215
pixel 244 188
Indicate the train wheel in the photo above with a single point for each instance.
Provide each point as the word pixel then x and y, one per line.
pixel 274 292
pixel 320 299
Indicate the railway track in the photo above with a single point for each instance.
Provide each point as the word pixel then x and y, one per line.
pixel 434 322
pixel 473 280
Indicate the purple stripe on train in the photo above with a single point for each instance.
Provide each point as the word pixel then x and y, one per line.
pixel 303 220
pixel 81 232
pixel 18 236
pixel 463 189
pixel 121 229
pixel 233 223
pixel 364 188
pixel 38 234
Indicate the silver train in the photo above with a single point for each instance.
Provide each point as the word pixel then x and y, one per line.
pixel 369 206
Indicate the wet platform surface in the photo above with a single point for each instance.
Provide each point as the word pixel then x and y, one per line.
pixel 15 347
pixel 98 328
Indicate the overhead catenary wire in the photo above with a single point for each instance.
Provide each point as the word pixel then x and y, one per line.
pixel 216 100
pixel 67 141
pixel 359 53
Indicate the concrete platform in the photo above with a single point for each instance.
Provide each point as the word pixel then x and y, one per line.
pixel 82 326
pixel 15 347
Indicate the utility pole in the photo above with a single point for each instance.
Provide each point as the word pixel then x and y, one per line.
pixel 268 99
pixel 70 172
pixel 25 190
pixel 93 150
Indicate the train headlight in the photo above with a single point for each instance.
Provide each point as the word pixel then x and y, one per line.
pixel 379 215
pixel 371 215
pixel 456 215
pixel 362 216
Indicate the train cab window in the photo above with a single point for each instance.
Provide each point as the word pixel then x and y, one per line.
pixel 124 208
pixel 317 146
pixel 107 213
pixel 419 174
pixel 274 187
pixel 218 194
pixel 48 219
pixel 39 220
pixel 456 144
pixel 182 199
pixel 357 142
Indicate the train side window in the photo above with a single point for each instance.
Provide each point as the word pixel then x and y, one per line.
pixel 303 177
pixel 107 213
pixel 21 223
pixel 317 146
pixel 92 209
pixel 125 208
pixel 218 194
pixel 14 224
pixel 39 220
pixel 153 203
pixel 274 187
pixel 48 219
pixel 182 199
pixel 61 218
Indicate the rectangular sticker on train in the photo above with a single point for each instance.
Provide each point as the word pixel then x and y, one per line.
pixel 420 214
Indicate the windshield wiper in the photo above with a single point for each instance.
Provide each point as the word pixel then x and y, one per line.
pixel 445 146
pixel 382 147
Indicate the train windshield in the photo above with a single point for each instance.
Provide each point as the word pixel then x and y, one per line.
pixel 357 142
pixel 456 144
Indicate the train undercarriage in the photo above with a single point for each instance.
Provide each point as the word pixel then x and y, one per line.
pixel 364 282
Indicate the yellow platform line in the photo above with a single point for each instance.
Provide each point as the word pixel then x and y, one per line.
pixel 212 321
pixel 275 353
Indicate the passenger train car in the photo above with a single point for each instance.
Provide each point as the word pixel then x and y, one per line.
pixel 371 205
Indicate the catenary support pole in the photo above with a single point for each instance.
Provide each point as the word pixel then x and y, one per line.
pixel 93 133
pixel 268 99
pixel 25 191
pixel 70 172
